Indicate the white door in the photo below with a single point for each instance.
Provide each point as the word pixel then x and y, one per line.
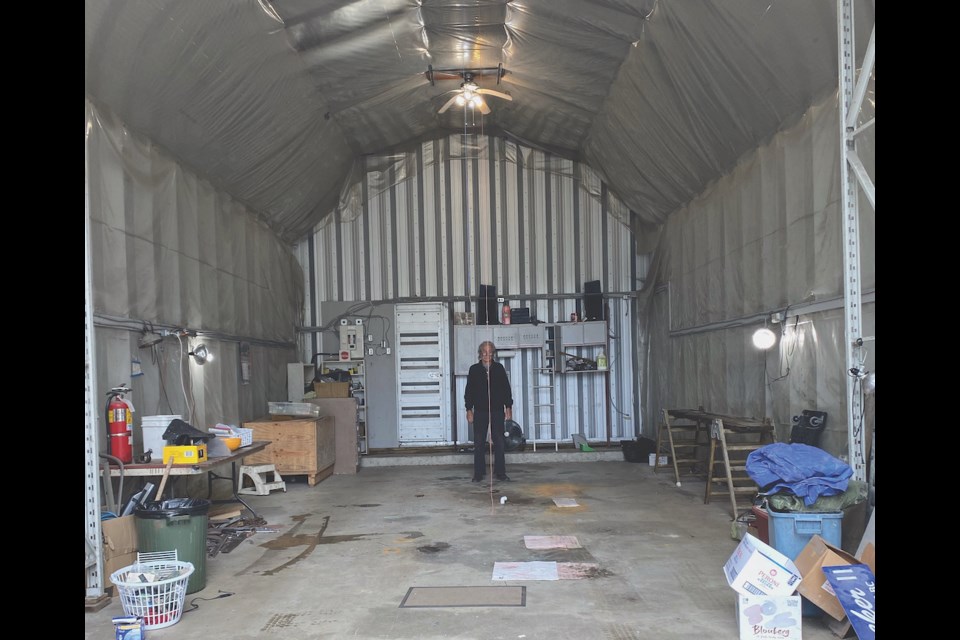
pixel 423 341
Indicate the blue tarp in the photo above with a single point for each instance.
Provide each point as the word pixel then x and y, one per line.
pixel 805 471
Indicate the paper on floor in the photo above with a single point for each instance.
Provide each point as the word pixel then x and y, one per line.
pixel 551 542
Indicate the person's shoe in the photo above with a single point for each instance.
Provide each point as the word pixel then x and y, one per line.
pixel 477 479
pixel 504 478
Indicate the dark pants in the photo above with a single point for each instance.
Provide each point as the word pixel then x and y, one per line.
pixel 480 446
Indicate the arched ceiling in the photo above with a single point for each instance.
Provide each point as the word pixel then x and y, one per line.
pixel 273 101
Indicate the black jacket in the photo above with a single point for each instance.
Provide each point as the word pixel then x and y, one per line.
pixel 475 395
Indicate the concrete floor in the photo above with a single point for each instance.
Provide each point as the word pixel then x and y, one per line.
pixel 350 547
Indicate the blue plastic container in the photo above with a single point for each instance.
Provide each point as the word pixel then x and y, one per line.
pixel 791 531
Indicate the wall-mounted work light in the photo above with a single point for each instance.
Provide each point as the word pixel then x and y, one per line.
pixel 200 354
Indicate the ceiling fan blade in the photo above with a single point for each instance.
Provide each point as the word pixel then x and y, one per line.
pixel 484 109
pixel 448 104
pixel 491 92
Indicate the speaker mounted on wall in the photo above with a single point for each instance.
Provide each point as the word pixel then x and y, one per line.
pixel 487 305
pixel 593 301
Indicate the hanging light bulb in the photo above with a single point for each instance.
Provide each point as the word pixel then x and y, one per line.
pixel 764 338
pixel 474 102
pixel 461 100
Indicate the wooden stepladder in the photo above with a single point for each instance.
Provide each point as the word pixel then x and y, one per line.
pixel 746 438
pixel 680 443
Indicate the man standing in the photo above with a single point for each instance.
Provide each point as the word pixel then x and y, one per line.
pixel 489 402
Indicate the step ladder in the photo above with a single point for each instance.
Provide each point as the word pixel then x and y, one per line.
pixel 727 474
pixel 545 393
pixel 261 485
pixel 680 443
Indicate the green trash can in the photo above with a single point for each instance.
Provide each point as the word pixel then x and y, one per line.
pixel 181 524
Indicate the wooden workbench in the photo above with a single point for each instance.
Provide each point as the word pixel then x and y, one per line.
pixel 756 433
pixel 731 422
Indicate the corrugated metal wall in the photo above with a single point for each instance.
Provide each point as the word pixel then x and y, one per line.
pixel 435 222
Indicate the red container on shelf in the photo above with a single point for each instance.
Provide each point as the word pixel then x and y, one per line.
pixel 762 523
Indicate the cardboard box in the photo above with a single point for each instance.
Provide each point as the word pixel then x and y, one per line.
pixel 119 546
pixel 332 389
pixel 815 586
pixel 769 617
pixel 756 568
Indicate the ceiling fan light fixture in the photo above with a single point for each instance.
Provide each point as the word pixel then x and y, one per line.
pixel 469 94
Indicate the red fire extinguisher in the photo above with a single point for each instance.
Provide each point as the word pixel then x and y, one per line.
pixel 120 425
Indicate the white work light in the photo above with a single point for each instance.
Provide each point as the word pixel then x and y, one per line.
pixel 201 354
pixel 764 338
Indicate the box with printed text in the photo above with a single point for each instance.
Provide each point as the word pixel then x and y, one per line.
pixel 756 568
pixel 769 617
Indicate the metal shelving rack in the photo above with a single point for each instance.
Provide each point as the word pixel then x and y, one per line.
pixel 587 339
pixel 358 389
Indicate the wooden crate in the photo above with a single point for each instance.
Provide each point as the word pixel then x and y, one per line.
pixel 298 446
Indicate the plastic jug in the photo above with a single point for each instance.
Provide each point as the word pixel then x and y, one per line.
pixel 602 361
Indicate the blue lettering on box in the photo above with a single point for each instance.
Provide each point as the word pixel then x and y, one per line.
pixel 856 587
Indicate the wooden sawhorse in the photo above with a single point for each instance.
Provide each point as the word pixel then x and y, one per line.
pixel 756 434
pixel 688 445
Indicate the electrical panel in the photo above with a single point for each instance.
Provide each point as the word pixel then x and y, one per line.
pixel 351 342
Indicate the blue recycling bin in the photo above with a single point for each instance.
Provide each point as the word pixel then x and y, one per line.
pixel 790 531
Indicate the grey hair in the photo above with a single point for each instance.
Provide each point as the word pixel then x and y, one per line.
pixel 486 343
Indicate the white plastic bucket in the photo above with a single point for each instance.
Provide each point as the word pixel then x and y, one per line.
pixel 153 428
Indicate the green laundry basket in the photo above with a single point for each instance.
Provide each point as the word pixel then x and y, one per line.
pixel 181 524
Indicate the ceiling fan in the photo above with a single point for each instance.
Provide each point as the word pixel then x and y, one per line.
pixel 469 94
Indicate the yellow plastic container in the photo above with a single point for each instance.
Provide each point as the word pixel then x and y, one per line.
pixel 189 454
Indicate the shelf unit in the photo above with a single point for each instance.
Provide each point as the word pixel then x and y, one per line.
pixel 580 339
pixel 358 390
pixel 584 340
